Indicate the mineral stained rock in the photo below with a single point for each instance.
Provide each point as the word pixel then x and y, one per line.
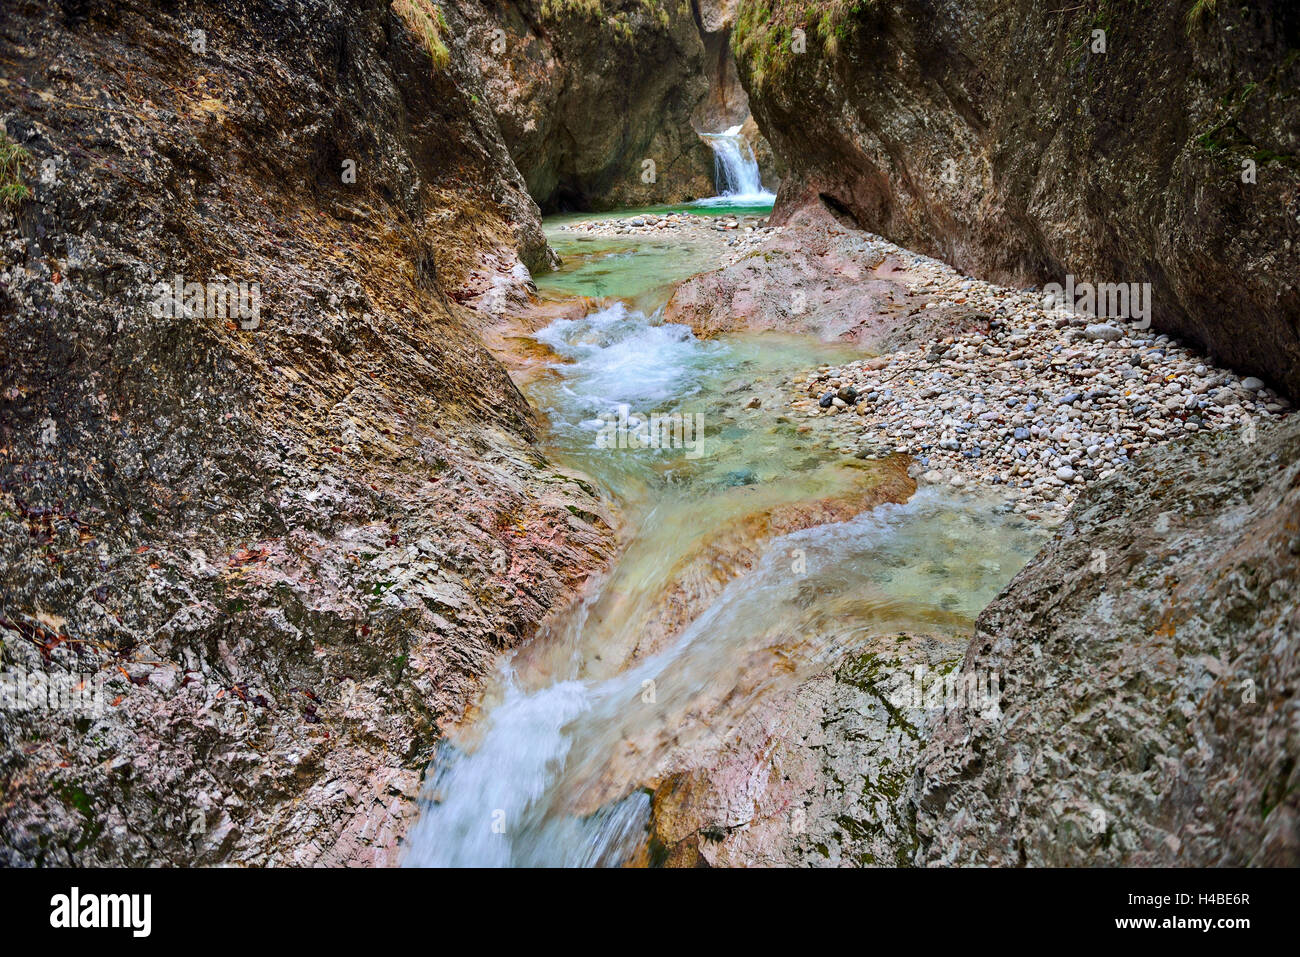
pixel 1146 670
pixel 1150 657
pixel 285 542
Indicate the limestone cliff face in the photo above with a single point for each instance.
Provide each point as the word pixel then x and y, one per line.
pixel 286 542
pixel 1113 140
pixel 727 103
pixel 595 99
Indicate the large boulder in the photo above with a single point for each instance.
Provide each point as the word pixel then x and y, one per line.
pixel 1151 660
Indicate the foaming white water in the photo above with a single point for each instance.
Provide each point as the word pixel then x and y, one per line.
pixel 579 721
pixel 619 356
pixel 483 799
pixel 735 170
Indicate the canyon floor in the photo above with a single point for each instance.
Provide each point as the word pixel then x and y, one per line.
pixel 779 667
pixel 715 532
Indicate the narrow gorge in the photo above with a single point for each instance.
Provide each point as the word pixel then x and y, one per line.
pixel 640 433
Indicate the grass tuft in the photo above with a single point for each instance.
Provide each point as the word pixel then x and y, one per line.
pixel 764 35
pixel 1200 12
pixel 13 160
pixel 426 21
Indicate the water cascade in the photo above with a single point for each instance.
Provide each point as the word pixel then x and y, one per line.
pixel 735 170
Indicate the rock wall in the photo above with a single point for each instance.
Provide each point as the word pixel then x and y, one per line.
pixel 1150 659
pixel 587 92
pixel 727 103
pixel 286 543
pixel 1022 141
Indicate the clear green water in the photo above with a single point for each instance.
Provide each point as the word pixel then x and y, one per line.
pixel 550 770
pixel 641 271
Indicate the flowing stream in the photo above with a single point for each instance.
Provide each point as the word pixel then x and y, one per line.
pixel 663 657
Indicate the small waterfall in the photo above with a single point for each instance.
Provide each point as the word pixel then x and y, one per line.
pixel 735 170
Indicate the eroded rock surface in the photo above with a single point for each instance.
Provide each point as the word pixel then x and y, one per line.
pixel 588 94
pixel 288 545
pixel 1146 667
pixel 1150 652
pixel 812 778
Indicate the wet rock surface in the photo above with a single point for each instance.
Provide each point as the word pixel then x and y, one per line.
pixel 1145 659
pixel 812 778
pixel 287 545
pixel 700 575
pixel 1145 670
